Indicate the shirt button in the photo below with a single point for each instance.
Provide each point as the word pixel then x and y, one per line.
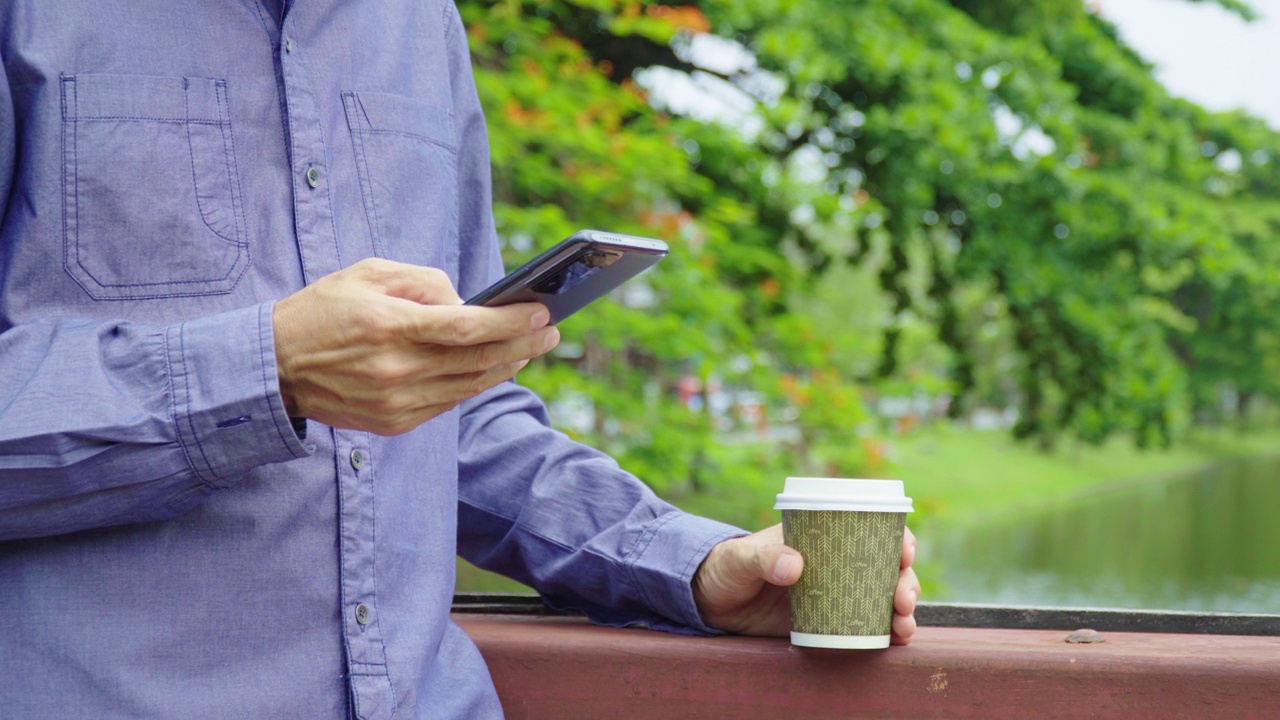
pixel 313 177
pixel 288 45
pixel 362 614
pixel 357 459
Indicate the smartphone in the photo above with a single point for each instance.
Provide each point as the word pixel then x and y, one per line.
pixel 579 269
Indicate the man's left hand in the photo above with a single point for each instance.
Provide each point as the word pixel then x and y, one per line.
pixel 742 586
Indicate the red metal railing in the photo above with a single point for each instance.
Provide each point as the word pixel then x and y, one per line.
pixel 564 668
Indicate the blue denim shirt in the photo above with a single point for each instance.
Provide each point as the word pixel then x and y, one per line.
pixel 169 547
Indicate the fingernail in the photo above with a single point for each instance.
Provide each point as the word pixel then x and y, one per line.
pixel 914 596
pixel 553 339
pixel 538 319
pixel 782 568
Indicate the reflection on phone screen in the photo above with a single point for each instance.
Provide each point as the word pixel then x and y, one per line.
pixel 577 272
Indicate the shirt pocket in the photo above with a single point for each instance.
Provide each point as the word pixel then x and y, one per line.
pixel 407 163
pixel 151 194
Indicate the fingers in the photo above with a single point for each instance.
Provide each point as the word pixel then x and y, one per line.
pixel 484 357
pixel 453 389
pixel 904 626
pixel 435 313
pixel 461 325
pixel 904 607
pixel 907 592
pixel 443 395
pixel 739 587
pixel 383 346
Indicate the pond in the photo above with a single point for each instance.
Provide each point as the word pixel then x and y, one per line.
pixel 1207 542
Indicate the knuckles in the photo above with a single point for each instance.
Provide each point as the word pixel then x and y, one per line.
pixel 462 329
pixel 484 357
pixel 388 373
pixel 382 328
pixel 371 268
pixel 380 271
pixel 476 385
pixel 436 276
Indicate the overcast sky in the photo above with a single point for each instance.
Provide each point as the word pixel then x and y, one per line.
pixel 1206 54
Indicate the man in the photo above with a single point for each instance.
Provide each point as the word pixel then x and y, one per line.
pixel 216 505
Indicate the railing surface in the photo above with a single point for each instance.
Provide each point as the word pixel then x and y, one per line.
pixel 973 616
pixel 551 665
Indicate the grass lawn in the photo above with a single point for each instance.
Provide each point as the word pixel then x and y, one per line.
pixel 957 476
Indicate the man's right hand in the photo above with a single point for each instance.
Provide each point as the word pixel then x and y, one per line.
pixel 383 346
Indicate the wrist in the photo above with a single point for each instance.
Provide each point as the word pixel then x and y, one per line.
pixel 701 579
pixel 284 370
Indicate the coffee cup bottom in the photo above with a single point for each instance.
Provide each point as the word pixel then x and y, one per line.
pixel 844 642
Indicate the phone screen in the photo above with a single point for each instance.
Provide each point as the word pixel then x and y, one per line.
pixel 580 269
pixel 575 272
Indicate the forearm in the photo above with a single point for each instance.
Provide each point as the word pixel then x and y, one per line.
pixel 565 519
pixel 105 423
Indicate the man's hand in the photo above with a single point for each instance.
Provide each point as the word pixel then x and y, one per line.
pixel 742 586
pixel 384 347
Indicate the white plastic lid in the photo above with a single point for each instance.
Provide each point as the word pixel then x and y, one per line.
pixel 805 493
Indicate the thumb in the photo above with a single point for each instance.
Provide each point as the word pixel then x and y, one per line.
pixel 778 564
pixel 763 556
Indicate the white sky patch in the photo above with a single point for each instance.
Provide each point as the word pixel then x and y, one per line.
pixel 1229 161
pixel 717 54
pixel 730 58
pixel 701 96
pixel 807 166
pixel 1206 54
pixel 991 78
pixel 1025 140
pixel 708 96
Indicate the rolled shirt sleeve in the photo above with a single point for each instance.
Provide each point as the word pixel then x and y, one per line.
pixel 665 560
pixel 107 423
pixel 566 520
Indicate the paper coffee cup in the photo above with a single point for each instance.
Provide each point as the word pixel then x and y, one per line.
pixel 850 535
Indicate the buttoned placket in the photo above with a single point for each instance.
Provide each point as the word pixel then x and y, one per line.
pixel 372 695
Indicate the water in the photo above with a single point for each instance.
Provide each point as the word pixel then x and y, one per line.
pixel 1208 542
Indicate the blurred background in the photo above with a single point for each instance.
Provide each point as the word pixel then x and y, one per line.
pixel 1022 254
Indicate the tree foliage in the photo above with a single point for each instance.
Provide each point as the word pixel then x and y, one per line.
pixel 993 201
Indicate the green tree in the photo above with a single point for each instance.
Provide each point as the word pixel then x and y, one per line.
pixel 996 200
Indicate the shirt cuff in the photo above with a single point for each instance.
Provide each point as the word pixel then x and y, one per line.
pixel 226 395
pixel 664 561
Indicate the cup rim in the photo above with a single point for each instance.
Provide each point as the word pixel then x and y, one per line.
pixel 855 494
